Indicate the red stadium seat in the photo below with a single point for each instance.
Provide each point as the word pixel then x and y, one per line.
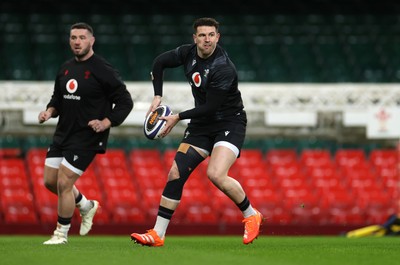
pixel 7 152
pixel 17 206
pixel 128 215
pixel 195 195
pixel 387 172
pixel 377 215
pixel 48 214
pixel 45 203
pixel 349 157
pixel 13 167
pixel 168 157
pixel 145 183
pixel 250 183
pixel 87 181
pixel 383 157
pixel 219 199
pixel 145 154
pixel 121 197
pixel 300 196
pixel 150 200
pixel 114 158
pixel 308 215
pixel 36 171
pixel 145 158
pixel 323 172
pixel 117 183
pixel 277 216
pixel 230 215
pixel 249 158
pixel 199 213
pixel 149 172
pixel 280 156
pixel 13 182
pixel 197 181
pixel 325 182
pixel 36 157
pixel 293 182
pixel 102 215
pixel 391 186
pixel 375 199
pixel 337 199
pixel 364 185
pixel 346 217
pixel 17 195
pixel 257 171
pixel 93 192
pixel 17 213
pixel 288 171
pixel 265 197
pixel 315 157
pixel 360 171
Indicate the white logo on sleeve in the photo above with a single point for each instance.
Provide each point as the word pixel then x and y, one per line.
pixel 226 133
pixel 75 157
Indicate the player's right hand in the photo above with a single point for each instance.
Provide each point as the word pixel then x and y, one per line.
pixel 154 104
pixel 44 116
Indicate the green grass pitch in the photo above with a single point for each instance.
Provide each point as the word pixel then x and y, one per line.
pixel 204 250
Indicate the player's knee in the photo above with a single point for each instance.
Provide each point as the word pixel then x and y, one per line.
pixel 63 185
pixel 65 182
pixel 186 160
pixel 173 172
pixel 215 176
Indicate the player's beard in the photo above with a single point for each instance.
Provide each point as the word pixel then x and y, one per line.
pixel 83 52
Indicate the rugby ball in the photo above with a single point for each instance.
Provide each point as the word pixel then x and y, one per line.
pixel 153 125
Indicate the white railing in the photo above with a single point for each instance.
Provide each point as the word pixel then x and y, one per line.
pixel 317 97
pixel 29 97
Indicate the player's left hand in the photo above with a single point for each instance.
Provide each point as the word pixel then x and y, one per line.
pixel 99 126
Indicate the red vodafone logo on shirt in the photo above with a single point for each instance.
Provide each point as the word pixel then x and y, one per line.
pixel 196 77
pixel 72 86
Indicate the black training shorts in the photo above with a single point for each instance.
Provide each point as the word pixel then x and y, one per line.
pixel 79 159
pixel 205 135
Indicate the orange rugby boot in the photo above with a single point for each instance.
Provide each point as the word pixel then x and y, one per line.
pixel 252 227
pixel 150 239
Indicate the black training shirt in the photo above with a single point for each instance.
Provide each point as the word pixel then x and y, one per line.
pixel 85 91
pixel 214 82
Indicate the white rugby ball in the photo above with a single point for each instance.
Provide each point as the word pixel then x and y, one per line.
pixel 153 125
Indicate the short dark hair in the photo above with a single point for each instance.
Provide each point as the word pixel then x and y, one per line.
pixel 205 21
pixel 83 25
